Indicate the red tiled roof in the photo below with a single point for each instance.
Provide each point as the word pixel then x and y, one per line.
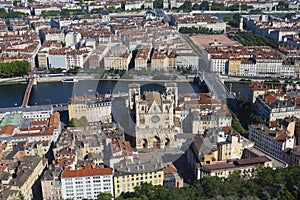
pixel 86 172
pixel 8 129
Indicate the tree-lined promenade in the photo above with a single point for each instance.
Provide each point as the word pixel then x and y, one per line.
pixel 266 184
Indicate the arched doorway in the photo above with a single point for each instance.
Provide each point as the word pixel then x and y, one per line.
pixel 145 143
pixel 156 142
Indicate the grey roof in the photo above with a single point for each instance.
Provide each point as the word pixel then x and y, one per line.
pixel 27 166
pixel 104 12
pixel 26 109
pixel 18 147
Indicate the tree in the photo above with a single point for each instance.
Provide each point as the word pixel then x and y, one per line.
pixel 196 7
pixel 14 68
pixel 186 6
pixel 266 184
pixel 157 4
pixel 255 119
pixel 15 3
pixel 204 5
pixel 281 4
pixel 227 18
pixel 104 196
pixel 56 70
pixel 82 122
pixel 20 196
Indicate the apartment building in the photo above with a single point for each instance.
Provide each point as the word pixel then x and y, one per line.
pixel 118 57
pixel 247 61
pixel 163 60
pixel 141 59
pixel 28 171
pixel 66 59
pixel 95 108
pixel 129 176
pixel 273 106
pixel 52 34
pixel 205 21
pixel 86 183
pixel 271 140
pixel 51 184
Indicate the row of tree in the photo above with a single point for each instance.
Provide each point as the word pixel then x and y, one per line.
pixel 187 6
pixel 266 184
pixel 198 30
pixel 250 39
pixel 220 6
pixel 15 68
pixel 64 12
pixel 10 15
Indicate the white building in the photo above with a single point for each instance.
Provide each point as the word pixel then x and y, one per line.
pixel 273 106
pixel 187 59
pixel 271 141
pixel 86 183
pixel 218 64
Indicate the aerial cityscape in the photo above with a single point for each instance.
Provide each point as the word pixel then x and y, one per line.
pixel 149 99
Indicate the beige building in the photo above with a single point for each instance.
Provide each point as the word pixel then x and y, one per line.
pixel 245 166
pixel 234 67
pixel 163 60
pixel 130 176
pixel 51 185
pixel 232 148
pixel 154 116
pixel 141 59
pixel 95 108
pixel 30 169
pixel 118 57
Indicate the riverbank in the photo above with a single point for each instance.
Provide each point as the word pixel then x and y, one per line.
pixel 91 77
pixel 7 81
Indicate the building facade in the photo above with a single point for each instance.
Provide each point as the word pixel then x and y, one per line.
pixel 86 183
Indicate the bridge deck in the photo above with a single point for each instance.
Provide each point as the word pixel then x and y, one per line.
pixel 27 92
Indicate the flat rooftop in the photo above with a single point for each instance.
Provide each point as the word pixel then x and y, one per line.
pixel 275 161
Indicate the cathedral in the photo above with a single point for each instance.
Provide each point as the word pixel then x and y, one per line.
pixel 153 114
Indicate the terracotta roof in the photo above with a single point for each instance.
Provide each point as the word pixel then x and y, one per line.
pixel 86 172
pixel 8 129
pixel 44 122
pixel 54 119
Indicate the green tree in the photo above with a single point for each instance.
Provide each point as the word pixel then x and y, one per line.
pixel 82 122
pixel 227 18
pixel 281 4
pixel 186 6
pixel 204 5
pixel 255 119
pixel 196 6
pixel 20 196
pixel 158 4
pixel 56 70
pixel 104 196
pixel 15 3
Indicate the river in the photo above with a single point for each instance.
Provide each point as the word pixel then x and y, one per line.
pixel 58 92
